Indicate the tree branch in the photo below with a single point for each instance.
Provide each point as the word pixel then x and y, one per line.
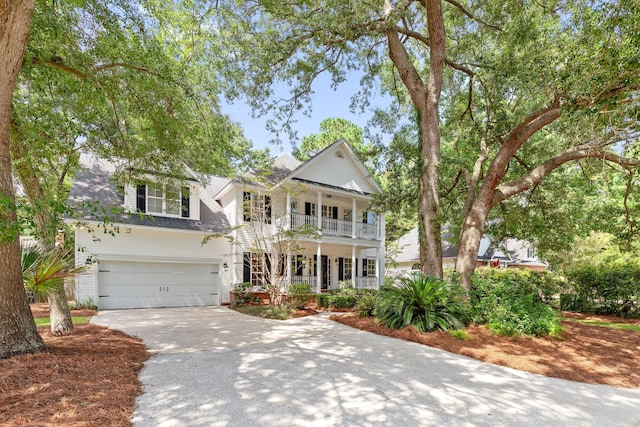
pixel 462 9
pixel 537 174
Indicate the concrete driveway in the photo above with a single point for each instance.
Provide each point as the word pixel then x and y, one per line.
pixel 212 366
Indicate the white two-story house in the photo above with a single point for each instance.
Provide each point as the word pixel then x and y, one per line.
pixel 155 241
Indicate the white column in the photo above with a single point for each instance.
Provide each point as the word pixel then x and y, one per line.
pixel 354 215
pixel 319 268
pixel 288 268
pixel 383 249
pixel 354 267
pixel 377 265
pixel 288 219
pixel 319 211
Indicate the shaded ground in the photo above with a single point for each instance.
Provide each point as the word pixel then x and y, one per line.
pixel 586 353
pixel 89 378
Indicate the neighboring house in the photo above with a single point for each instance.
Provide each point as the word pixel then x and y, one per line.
pixel 508 253
pixel 156 256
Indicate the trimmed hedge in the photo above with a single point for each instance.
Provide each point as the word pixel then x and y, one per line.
pixel 342 298
pixel 514 302
pixel 299 295
pixel 612 288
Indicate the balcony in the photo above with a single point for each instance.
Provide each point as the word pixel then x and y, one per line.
pixel 338 227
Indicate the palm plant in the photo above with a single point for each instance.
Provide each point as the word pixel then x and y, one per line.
pixel 44 272
pixel 423 302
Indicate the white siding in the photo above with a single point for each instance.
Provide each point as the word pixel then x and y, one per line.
pixel 340 172
pixel 147 245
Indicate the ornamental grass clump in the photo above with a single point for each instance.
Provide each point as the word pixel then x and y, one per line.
pixel 423 302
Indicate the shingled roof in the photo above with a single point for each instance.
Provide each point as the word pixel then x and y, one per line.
pixel 94 196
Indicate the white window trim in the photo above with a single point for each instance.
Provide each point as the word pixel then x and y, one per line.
pixel 164 201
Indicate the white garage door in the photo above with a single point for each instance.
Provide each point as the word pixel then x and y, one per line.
pixel 147 284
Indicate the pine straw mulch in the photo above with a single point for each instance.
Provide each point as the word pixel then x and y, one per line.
pixel 89 378
pixel 585 353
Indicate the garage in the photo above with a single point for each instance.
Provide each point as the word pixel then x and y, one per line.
pixel 127 284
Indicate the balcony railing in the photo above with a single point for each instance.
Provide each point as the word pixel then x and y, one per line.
pixel 337 227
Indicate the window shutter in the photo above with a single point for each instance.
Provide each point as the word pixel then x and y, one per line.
pixel 340 268
pixel 335 212
pixel 246 206
pixel 246 267
pixel 267 262
pixel 267 209
pixel 307 208
pixel 365 215
pixel 185 202
pixel 141 198
pixel 364 267
pixel 315 265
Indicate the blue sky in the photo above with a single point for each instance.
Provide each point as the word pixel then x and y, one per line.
pixel 326 103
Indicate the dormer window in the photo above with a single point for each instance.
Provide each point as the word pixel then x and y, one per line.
pixel 163 199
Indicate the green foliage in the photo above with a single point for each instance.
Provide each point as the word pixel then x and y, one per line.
pixel 331 130
pixel 265 311
pixel 299 295
pixel 44 272
pixel 84 304
pixel 612 288
pixel 343 298
pixel 322 300
pixel 242 293
pixel 460 334
pixel 423 302
pixel 512 302
pixel 366 305
pixel 342 301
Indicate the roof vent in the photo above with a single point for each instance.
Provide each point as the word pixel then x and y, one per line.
pixel 340 154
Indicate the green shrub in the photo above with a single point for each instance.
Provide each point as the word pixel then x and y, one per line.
pixel 299 295
pixel 366 305
pixel 612 288
pixel 242 294
pixel 511 302
pixel 265 311
pixel 322 300
pixel 424 302
pixel 342 301
pixel 84 304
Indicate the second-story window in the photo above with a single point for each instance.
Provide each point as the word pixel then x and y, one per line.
pixel 256 207
pixel 163 199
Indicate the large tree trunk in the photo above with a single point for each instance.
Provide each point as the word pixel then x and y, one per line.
pixel 472 231
pixel 18 332
pixel 426 100
pixel 47 221
pixel 59 313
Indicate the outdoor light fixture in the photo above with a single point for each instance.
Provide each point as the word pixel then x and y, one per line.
pixel 90 260
pixel 225 266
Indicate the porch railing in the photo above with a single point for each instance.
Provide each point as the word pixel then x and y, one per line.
pixel 337 227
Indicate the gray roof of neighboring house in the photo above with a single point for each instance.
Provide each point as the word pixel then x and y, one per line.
pixel 409 247
pixel 94 196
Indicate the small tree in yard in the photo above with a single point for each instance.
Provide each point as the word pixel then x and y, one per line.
pixel 44 272
pixel 272 241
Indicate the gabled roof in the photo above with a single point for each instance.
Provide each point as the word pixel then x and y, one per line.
pixel 95 186
pixel 340 148
pixel 286 168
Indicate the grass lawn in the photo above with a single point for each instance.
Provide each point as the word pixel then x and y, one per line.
pixel 265 311
pixel 44 321
pixel 621 326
